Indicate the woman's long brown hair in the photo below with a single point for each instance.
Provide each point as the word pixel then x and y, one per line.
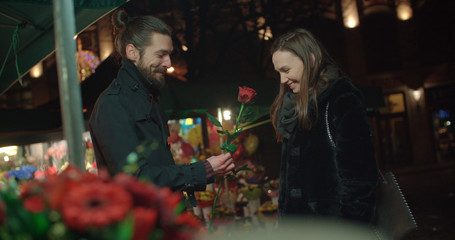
pixel 304 45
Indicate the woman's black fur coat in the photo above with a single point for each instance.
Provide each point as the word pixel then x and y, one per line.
pixel 319 178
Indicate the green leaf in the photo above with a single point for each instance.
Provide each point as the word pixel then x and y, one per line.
pixel 122 230
pixel 222 132
pixel 213 120
pixel 125 228
pixel 157 234
pixel 251 113
pixel 242 168
pixel 232 137
pixel 231 148
pixel 224 145
pixel 40 223
pixel 180 208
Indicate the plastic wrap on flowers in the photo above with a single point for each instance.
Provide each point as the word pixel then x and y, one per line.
pixel 75 205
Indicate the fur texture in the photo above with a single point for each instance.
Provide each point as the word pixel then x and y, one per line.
pixel 322 180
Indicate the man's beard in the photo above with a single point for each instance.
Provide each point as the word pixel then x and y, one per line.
pixel 151 74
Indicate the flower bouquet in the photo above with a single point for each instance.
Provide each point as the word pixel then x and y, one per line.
pixel 267 212
pixel 251 192
pixel 24 172
pixel 77 205
pixel 205 198
pixel 223 216
pixel 271 189
pixel 46 173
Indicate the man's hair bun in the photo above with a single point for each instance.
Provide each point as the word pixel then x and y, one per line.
pixel 120 19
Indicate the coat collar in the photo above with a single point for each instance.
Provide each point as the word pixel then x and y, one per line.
pixel 338 85
pixel 136 80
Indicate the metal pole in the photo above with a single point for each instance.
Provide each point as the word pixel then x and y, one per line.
pixel 70 92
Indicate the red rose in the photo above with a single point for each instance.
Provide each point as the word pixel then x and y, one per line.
pixel 246 95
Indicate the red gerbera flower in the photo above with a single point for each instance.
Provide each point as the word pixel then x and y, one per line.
pixel 144 222
pixel 167 204
pixel 169 198
pixel 144 195
pixel 34 203
pixel 56 186
pixel 189 220
pixel 96 205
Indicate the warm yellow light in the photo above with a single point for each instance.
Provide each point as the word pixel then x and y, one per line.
pixel 75 36
pixel 170 70
pixel 184 48
pixel 268 33
pixel 189 121
pixel 106 48
pixel 37 70
pixel 265 34
pixel 260 21
pixel 350 13
pixel 404 10
pixel 416 94
pixel 220 116
pixel 10 150
pixel 261 33
pixel 227 115
pixel 351 22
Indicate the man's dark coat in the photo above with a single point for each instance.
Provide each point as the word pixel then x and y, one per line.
pixel 125 116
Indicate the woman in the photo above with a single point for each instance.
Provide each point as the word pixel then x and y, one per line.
pixel 328 166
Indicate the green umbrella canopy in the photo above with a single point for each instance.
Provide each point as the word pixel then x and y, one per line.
pixel 35 38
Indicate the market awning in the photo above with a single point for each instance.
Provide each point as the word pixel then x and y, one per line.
pixel 34 20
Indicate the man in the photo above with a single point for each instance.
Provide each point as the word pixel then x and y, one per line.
pixel 127 113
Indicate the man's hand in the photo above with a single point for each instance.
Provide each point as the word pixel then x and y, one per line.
pixel 222 165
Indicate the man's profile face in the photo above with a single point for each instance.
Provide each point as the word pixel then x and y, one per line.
pixel 156 59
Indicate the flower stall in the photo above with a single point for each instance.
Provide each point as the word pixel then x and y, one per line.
pixel 67 203
pixel 78 205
